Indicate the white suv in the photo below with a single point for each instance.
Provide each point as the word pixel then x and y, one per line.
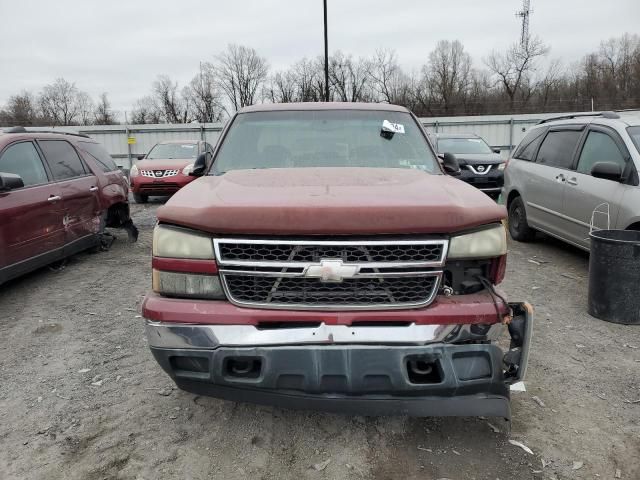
pixel 574 171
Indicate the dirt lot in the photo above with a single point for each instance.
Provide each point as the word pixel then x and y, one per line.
pixel 82 398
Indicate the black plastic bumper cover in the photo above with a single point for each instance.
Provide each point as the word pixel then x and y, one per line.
pixel 468 379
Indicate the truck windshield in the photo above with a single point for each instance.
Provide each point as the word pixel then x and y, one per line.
pixel 463 145
pixel 324 138
pixel 166 151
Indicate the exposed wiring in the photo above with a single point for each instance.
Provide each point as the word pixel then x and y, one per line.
pixel 494 294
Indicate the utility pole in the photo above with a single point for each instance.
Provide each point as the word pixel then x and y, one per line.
pixel 524 14
pixel 326 56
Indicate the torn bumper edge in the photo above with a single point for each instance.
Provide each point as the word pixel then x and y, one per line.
pixel 487 394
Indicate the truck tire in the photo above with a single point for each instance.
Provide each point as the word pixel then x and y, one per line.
pixel 139 198
pixel 519 229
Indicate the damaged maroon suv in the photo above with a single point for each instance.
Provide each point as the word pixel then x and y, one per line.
pixel 58 193
pixel 325 260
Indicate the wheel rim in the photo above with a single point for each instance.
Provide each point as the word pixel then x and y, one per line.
pixel 516 219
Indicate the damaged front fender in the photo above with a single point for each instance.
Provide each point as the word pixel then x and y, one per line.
pixel 520 329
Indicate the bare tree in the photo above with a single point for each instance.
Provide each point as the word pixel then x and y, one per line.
pixel 616 59
pixel 21 109
pixel 145 111
pixel 173 107
pixel 513 67
pixel 515 81
pixel 86 107
pixel 309 76
pixel 550 82
pixel 103 113
pixel 241 72
pixel 388 81
pixel 448 74
pixel 62 103
pixel 282 88
pixel 204 96
pixel 349 78
pixel 477 93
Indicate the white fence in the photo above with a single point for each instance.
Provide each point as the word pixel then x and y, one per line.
pixel 500 131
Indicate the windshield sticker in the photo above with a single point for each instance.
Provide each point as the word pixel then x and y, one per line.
pixel 387 126
pixel 188 146
pixel 475 140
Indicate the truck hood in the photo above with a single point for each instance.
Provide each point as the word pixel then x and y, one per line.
pixel 338 201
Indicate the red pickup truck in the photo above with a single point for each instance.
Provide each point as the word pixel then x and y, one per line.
pixel 326 259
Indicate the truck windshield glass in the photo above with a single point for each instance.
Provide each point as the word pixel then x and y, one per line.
pixel 166 151
pixel 463 145
pixel 326 138
pixel 634 133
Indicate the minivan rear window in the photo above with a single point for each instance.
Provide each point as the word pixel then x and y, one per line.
pixel 634 133
pixel 557 148
pixel 529 144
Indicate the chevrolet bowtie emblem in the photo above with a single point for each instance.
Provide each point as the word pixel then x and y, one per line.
pixel 331 271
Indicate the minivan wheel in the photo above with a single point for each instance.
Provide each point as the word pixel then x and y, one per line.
pixel 518 226
pixel 139 198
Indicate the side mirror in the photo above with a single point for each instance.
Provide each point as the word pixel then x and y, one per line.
pixel 141 157
pixel 10 181
pixel 450 164
pixel 199 166
pixel 497 150
pixel 607 170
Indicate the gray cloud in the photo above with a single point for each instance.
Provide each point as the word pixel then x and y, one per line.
pixel 120 47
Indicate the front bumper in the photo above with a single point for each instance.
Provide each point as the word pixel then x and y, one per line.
pixel 490 183
pixel 463 369
pixel 159 186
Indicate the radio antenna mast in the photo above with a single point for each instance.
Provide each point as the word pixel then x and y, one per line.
pixel 524 14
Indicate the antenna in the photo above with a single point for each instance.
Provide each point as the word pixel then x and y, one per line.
pixel 524 14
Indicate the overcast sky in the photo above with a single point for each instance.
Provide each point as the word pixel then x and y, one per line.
pixel 120 46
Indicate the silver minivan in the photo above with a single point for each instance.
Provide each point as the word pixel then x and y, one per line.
pixel 573 173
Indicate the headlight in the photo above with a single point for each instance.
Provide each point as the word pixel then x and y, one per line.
pixel 488 243
pixel 133 172
pixel 187 285
pixel 187 170
pixel 174 242
pixel 502 166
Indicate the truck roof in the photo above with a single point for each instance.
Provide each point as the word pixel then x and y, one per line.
pixel 277 107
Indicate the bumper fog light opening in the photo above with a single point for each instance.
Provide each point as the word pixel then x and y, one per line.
pixel 422 370
pixel 242 367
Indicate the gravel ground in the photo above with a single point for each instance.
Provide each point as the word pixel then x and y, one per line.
pixel 82 398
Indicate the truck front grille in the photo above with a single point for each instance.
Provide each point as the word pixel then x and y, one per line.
pixel 277 252
pixel 362 292
pixel 309 274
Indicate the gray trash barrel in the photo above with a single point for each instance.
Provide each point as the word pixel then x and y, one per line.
pixel 614 276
